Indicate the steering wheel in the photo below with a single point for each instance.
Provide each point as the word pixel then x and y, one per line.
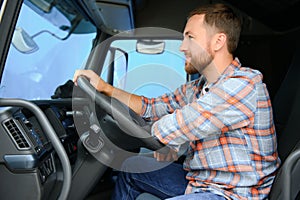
pixel 131 124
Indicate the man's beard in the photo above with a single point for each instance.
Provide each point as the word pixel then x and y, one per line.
pixel 190 69
pixel 199 64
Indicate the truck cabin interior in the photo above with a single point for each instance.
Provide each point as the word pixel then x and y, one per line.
pixel 269 42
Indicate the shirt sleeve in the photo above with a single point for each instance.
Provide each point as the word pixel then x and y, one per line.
pixel 154 108
pixel 227 106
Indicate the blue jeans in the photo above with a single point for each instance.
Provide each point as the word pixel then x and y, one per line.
pixel 165 181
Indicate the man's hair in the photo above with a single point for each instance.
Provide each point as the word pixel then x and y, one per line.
pixel 224 19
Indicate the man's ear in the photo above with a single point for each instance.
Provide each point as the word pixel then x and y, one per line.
pixel 220 41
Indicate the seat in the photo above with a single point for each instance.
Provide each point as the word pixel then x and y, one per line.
pixel 286 106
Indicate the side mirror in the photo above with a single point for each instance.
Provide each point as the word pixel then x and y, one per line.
pixel 149 46
pixel 23 42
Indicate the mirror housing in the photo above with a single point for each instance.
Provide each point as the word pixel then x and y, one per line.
pixel 23 42
pixel 149 46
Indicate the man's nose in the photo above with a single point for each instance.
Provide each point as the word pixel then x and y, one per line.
pixel 182 46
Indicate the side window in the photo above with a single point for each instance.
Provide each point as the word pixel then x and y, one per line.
pixel 145 73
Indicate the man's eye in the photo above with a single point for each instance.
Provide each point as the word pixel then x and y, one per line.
pixel 190 37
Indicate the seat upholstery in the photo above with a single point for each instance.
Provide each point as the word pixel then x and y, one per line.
pixel 286 108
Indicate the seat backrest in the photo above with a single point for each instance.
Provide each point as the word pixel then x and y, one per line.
pixel 286 106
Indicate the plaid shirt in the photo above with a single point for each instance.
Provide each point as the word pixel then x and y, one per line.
pixel 232 140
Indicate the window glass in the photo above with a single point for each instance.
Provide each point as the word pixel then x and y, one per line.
pixel 36 75
pixel 147 74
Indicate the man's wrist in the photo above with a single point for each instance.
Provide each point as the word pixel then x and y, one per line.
pixel 107 89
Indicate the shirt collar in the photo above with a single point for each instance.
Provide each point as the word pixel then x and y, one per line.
pixel 235 64
pixel 229 71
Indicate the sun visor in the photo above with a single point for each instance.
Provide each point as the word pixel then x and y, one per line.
pixel 112 16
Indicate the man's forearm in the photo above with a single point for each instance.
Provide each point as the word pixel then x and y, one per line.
pixel 131 100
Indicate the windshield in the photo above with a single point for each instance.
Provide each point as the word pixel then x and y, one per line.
pixel 37 73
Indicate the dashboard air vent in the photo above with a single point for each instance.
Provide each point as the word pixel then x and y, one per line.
pixel 16 134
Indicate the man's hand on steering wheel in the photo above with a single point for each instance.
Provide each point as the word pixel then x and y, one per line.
pixel 134 102
pixel 96 81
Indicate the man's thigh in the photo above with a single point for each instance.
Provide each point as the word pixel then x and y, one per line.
pixel 158 178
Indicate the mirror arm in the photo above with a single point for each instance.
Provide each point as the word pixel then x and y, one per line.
pixel 74 23
pixel 46 31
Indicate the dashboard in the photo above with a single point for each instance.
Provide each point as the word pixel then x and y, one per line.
pixel 27 156
pixel 30 162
